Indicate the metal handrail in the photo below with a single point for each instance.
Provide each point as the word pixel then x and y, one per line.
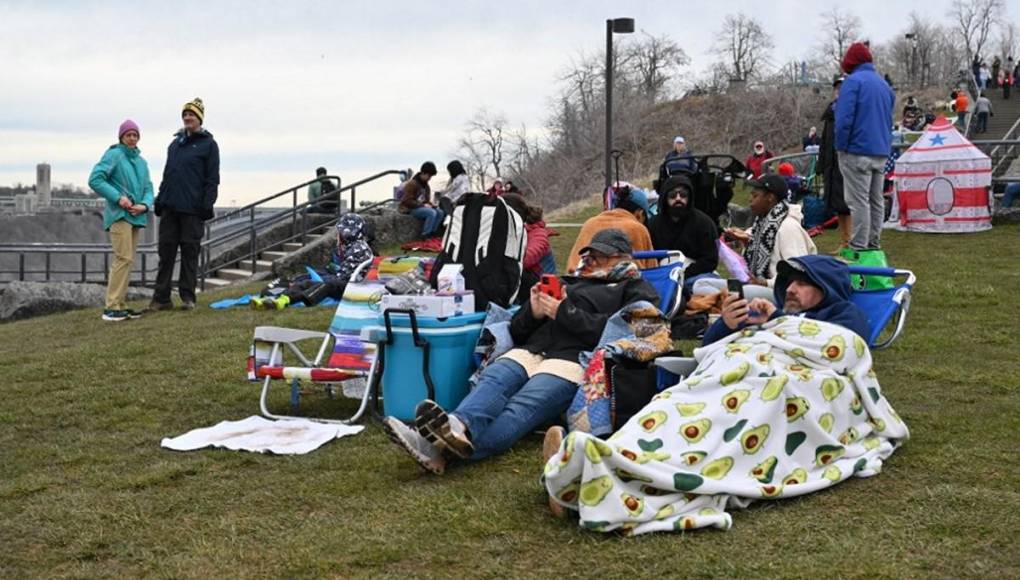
pixel 251 231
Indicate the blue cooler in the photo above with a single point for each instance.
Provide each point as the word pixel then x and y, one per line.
pixel 450 344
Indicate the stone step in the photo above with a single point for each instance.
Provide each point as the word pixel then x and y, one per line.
pixel 233 274
pixel 273 256
pixel 260 265
pixel 214 283
pixel 292 246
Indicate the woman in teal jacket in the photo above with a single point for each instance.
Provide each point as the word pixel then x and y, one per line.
pixel 122 178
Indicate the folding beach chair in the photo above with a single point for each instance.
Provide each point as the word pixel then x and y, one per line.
pixel 341 358
pixel 667 278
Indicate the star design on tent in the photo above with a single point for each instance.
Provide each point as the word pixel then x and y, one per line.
pixel 937 140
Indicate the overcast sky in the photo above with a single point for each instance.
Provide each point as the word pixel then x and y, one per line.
pixel 356 86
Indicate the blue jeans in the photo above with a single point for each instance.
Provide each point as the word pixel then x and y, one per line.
pixel 506 406
pixel 1012 192
pixel 430 217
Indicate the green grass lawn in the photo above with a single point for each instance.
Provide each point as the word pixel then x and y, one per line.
pixel 86 491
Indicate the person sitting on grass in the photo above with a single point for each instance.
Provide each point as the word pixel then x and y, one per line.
pixel 629 214
pixel 534 382
pixel 776 233
pixel 352 249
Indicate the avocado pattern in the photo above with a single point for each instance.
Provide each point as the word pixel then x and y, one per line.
pixel 787 409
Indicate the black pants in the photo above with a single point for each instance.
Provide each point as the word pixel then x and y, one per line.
pixel 184 231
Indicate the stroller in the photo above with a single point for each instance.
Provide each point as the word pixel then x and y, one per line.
pixel 713 185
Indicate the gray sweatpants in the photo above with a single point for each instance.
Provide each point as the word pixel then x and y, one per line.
pixel 863 176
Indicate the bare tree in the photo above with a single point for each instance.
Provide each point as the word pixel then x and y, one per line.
pixel 974 19
pixel 653 62
pixel 1009 38
pixel 743 46
pixel 840 30
pixel 482 145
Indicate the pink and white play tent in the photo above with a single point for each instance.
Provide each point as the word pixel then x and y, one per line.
pixel 942 183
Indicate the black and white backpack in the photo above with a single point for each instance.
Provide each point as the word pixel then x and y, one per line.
pixel 488 239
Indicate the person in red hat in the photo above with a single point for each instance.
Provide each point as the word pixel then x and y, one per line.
pixel 863 141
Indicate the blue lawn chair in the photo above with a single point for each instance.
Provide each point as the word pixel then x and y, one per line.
pixel 884 308
pixel 667 279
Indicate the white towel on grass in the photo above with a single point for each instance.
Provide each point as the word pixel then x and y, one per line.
pixel 285 437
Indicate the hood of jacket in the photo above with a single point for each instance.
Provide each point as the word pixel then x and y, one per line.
pixel 663 204
pixel 833 277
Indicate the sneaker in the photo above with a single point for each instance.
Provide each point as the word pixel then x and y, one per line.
pixel 281 302
pixel 188 305
pixel 551 446
pixel 443 430
pixel 114 315
pixel 155 306
pixel 258 303
pixel 133 314
pixel 415 445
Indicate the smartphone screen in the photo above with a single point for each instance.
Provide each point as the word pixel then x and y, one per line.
pixel 735 287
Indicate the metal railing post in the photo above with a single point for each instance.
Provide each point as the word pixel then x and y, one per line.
pixel 47 266
pixel 84 275
pixel 143 267
pixel 21 266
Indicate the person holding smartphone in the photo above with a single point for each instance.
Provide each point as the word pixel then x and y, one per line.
pixel 534 382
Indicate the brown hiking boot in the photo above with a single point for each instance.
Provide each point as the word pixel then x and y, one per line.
pixel 550 446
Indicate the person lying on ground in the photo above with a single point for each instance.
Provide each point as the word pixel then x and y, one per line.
pixel 679 226
pixel 534 382
pixel 784 408
pixel 629 214
pixel 351 250
pixel 776 233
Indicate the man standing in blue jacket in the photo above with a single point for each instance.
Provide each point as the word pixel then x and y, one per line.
pixel 863 142
pixel 815 287
pixel 187 194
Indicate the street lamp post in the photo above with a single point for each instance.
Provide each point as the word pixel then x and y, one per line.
pixel 912 37
pixel 618 26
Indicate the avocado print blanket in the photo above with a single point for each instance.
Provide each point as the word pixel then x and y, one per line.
pixel 773 411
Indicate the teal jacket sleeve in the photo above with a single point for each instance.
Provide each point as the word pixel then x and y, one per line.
pixel 147 195
pixel 99 179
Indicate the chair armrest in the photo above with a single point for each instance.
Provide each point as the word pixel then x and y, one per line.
pixel 681 366
pixel 285 335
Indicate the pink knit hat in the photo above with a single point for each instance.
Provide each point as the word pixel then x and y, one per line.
pixel 126 126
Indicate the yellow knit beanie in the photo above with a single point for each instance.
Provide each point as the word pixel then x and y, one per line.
pixel 196 107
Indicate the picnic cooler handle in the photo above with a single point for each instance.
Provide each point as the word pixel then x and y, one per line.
pixel 418 342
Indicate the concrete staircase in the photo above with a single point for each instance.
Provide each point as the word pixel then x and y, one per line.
pixel 242 271
pixel 1006 112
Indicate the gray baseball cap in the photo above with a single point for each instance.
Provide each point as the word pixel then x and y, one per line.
pixel 609 242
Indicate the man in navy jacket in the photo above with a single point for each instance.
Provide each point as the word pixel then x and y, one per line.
pixel 816 287
pixel 187 194
pixel 863 142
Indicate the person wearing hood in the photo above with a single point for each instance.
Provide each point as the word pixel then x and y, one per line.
pixel 629 214
pixel 776 233
pixel 122 178
pixel 187 194
pixel 534 382
pixel 416 200
pixel 679 226
pixel 351 251
pixel 863 141
pixel 815 287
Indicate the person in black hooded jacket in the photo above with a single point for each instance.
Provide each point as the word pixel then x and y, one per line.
pixel 187 194
pixel 678 226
